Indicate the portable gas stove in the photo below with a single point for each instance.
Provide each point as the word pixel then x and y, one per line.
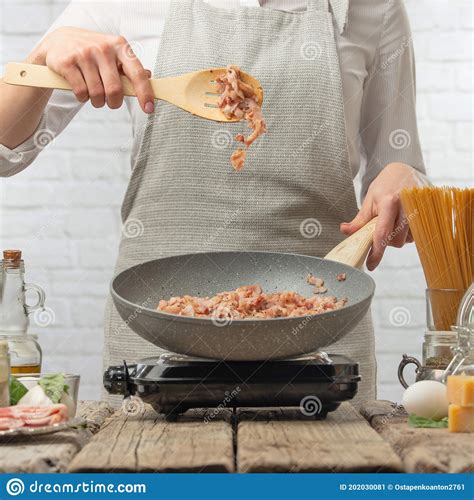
pixel 172 383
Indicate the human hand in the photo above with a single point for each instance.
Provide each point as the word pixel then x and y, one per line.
pixel 92 64
pixel 383 199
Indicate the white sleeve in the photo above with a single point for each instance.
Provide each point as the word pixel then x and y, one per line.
pixel 102 16
pixel 389 129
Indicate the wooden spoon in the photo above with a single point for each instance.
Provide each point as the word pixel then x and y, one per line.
pixel 194 92
pixel 354 249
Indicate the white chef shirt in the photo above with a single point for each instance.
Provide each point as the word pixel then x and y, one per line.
pixel 377 69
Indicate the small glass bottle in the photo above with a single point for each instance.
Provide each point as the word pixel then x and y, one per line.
pixel 25 352
pixel 4 374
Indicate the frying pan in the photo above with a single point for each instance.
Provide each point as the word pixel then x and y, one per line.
pixel 137 291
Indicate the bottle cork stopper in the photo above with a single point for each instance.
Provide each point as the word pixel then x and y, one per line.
pixel 12 259
pixel 13 255
pixel 3 346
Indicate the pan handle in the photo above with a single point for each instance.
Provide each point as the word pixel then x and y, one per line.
pixel 353 250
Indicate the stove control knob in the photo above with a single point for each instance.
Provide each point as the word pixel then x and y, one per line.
pixel 116 380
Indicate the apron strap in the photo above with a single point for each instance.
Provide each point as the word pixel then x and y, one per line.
pixel 339 9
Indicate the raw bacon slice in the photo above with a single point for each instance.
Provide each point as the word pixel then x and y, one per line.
pixel 7 424
pixel 33 416
pixel 239 100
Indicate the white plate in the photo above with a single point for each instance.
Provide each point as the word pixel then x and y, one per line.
pixel 75 423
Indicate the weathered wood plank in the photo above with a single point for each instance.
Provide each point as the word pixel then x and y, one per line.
pixel 54 452
pixel 421 450
pixel 94 413
pixel 149 443
pixel 284 440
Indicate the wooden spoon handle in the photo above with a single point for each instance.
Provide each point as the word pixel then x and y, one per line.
pixel 354 249
pixel 34 75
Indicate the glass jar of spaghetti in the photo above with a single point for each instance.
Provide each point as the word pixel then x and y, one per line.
pixel 442 306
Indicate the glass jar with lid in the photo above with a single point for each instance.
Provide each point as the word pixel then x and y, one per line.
pixel 25 353
pixel 438 349
pixel 463 359
pixel 445 352
pixel 462 362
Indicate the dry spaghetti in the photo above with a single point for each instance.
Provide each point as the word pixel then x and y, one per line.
pixel 441 222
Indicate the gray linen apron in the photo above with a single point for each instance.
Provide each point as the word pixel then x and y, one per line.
pixel 296 187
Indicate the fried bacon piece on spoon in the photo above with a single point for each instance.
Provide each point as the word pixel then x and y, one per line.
pixel 239 100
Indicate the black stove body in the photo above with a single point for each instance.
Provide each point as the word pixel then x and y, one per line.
pixel 172 384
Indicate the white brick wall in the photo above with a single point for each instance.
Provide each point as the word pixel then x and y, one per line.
pixel 69 234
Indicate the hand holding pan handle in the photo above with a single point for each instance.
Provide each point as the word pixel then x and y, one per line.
pixel 354 249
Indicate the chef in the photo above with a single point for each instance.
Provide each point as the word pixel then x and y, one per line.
pixel 339 87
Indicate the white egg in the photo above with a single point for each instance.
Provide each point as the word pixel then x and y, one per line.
pixel 427 399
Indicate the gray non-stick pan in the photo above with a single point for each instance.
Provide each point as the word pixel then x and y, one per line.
pixel 137 291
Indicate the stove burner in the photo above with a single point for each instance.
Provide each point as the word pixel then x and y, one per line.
pixel 173 383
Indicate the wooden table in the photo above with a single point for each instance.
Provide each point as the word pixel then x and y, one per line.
pixel 52 453
pixel 376 439
pixel 421 450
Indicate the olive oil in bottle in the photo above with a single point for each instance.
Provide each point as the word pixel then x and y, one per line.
pixel 4 374
pixel 25 352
